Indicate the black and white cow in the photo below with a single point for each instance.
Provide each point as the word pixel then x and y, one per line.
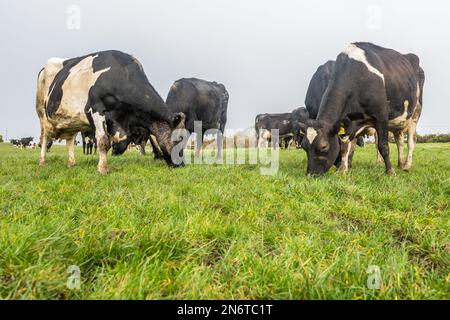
pixel 266 122
pixel 316 90
pixel 89 142
pixel 22 143
pixel 200 100
pixel 108 91
pixel 371 87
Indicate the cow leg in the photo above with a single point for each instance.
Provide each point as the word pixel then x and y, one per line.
pixel 383 145
pixel 70 143
pixel 379 157
pixel 156 150
pixel 44 140
pixel 412 139
pixel 142 151
pixel 399 139
pixel 198 145
pixel 84 147
pixel 350 157
pixel 219 144
pixel 346 149
pixel 103 142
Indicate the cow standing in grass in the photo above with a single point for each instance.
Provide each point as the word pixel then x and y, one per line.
pixel 371 87
pixel 200 100
pixel 89 142
pixel 266 122
pixel 108 91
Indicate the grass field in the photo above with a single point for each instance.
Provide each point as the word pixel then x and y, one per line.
pixel 223 232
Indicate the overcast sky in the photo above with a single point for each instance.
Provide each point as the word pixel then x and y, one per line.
pixel 265 52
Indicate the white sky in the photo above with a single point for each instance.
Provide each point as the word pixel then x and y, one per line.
pixel 265 52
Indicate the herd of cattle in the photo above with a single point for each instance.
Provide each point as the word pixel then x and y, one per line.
pixel 368 89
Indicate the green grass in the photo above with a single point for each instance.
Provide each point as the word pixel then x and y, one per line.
pixel 223 232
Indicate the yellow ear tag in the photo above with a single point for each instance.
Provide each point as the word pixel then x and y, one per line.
pixel 341 131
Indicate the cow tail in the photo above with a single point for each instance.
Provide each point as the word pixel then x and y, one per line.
pixel 421 84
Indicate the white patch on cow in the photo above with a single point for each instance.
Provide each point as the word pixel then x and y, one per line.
pixel 99 123
pixel 76 91
pixel 358 54
pixel 285 121
pixel 118 138
pixel 401 121
pixel 46 77
pixel 311 134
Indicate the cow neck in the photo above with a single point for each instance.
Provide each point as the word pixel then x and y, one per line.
pixel 332 108
pixel 155 109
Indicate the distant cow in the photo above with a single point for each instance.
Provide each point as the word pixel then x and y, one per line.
pixel 266 122
pixel 371 87
pixel 108 91
pixel 89 142
pixel 299 115
pixel 203 101
pixel 22 143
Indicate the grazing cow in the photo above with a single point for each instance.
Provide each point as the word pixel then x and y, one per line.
pixel 316 89
pixel 203 101
pixel 108 91
pixel 371 87
pixel 265 122
pixel 89 142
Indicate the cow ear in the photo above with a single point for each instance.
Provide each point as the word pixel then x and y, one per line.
pixel 340 127
pixel 178 120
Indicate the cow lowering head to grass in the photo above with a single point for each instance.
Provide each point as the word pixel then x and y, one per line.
pixel 106 91
pixel 371 86
pixel 202 101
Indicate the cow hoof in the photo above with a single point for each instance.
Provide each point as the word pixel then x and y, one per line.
pixel 70 165
pixel 390 172
pixel 103 170
pixel 407 169
pixel 41 163
pixel 343 170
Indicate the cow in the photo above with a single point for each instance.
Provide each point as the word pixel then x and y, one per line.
pixel 22 143
pixel 316 89
pixel 89 142
pixel 373 87
pixel 266 122
pixel 110 92
pixel 200 100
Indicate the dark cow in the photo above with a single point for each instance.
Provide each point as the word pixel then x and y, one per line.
pixel 266 122
pixel 108 91
pixel 371 87
pixel 203 101
pixel 317 86
pixel 89 142
pixel 316 89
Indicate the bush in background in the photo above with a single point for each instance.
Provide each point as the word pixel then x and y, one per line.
pixel 427 138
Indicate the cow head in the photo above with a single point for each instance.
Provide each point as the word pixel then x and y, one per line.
pixel 168 139
pixel 321 143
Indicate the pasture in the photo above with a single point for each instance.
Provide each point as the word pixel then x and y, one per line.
pixel 223 232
